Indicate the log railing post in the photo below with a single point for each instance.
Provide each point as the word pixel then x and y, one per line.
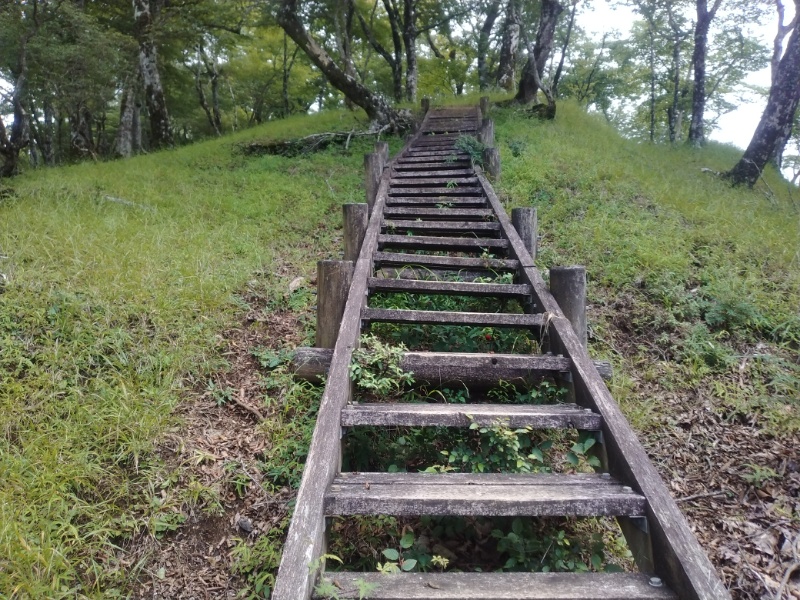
pixel 484 105
pixel 425 103
pixel 527 226
pixel 568 286
pixel 382 150
pixel 333 285
pixel 356 217
pixel 373 168
pixel 486 135
pixel 491 162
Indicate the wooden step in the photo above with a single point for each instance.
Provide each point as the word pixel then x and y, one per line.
pixel 554 416
pixel 422 173
pixel 435 182
pixel 436 243
pixel 456 368
pixel 453 288
pixel 499 586
pixel 437 201
pixel 485 494
pixel 411 167
pixel 413 161
pixel 448 262
pixel 450 227
pixel 436 317
pixel 458 191
pixel 411 212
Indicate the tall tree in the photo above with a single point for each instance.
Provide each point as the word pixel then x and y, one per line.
pixel 540 53
pixel 492 12
pixel 160 128
pixel 506 68
pixel 376 107
pixel 778 117
pixel 704 18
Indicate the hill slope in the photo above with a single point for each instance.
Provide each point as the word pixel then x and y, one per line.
pixel 151 433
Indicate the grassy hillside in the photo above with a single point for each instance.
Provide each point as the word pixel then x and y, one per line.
pixel 145 404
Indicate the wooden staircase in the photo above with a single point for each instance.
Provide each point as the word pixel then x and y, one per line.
pixel 432 199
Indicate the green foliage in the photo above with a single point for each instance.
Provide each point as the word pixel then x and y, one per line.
pixel 376 367
pixel 471 146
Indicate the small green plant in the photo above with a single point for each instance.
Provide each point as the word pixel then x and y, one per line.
pixel 757 475
pixel 269 358
pixel 220 395
pixel 376 367
pixel 471 146
pixel 578 456
pixel 408 557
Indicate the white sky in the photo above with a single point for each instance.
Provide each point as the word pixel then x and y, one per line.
pixel 736 127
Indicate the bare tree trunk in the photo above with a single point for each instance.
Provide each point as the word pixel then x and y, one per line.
pixel 127 106
pixel 697 134
pixel 343 22
pixel 565 47
pixel 212 111
pixel 506 69
pixel 674 110
pixel 377 109
pixel 652 66
pixel 483 43
pixel 540 54
pixel 778 117
pixel 394 61
pixel 12 145
pixel 160 129
pixel 777 51
pixel 410 35
pixel 81 137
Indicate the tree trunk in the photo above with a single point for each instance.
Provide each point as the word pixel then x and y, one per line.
pixel 674 110
pixel 394 61
pixel 565 47
pixel 697 134
pixel 127 106
pixel 777 51
pixel 410 34
pixel 160 129
pixel 652 66
pixel 483 43
pixel 778 117
pixel 540 54
pixel 377 109
pixel 11 146
pixel 343 22
pixel 506 69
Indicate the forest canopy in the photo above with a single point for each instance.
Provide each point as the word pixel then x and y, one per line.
pixel 91 79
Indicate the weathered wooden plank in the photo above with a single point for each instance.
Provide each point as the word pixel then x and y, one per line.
pixel 435 317
pixel 424 242
pixel 437 201
pixel 456 262
pixel 411 212
pixel 463 415
pixel 454 288
pixel 458 191
pixel 448 175
pixel 445 162
pixel 541 495
pixel 681 561
pixel 472 369
pixel 434 182
pixel 431 274
pixel 442 165
pixel 500 586
pixel 473 227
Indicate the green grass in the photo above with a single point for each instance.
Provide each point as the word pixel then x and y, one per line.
pixel 115 311
pixel 703 276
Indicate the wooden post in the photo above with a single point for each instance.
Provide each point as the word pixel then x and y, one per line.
pixel 568 286
pixel 356 217
pixel 425 103
pixel 484 105
pixel 486 135
pixel 372 172
pixel 382 150
pixel 491 162
pixel 333 285
pixel 527 226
